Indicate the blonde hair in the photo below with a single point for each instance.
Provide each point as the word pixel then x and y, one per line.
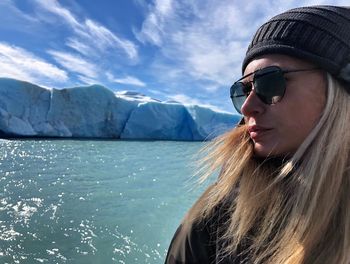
pixel 294 211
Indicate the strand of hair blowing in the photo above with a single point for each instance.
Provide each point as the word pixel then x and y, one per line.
pixel 297 213
pixel 320 216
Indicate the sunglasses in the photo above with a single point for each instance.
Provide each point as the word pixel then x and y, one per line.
pixel 268 83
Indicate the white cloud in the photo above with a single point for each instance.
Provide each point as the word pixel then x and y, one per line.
pixel 186 100
pixel 79 46
pixel 18 63
pixel 211 88
pixel 207 60
pixel 150 31
pixel 163 7
pixel 13 17
pixel 207 40
pixel 89 32
pixel 87 80
pixel 75 63
pixel 54 7
pixel 204 39
pixel 104 38
pixel 153 27
pixel 126 80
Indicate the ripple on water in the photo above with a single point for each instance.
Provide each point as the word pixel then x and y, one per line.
pixel 66 201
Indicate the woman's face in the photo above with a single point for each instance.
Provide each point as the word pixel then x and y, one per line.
pixel 279 129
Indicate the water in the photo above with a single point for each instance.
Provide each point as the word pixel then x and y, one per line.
pixel 70 201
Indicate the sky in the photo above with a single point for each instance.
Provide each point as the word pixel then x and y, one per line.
pixel 189 51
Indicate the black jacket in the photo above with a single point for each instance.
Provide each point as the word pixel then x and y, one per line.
pixel 200 244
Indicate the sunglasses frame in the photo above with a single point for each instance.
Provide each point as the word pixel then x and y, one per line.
pixel 249 86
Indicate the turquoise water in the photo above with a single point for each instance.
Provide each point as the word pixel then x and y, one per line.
pixel 70 201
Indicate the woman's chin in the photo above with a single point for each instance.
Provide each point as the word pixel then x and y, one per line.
pixel 266 151
pixel 262 150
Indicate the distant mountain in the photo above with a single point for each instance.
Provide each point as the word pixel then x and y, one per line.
pixel 28 110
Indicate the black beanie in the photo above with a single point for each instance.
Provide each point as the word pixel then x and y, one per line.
pixel 320 34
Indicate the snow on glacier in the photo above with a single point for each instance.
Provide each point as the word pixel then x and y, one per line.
pixel 97 112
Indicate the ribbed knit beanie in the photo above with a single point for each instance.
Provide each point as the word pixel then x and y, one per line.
pixel 320 34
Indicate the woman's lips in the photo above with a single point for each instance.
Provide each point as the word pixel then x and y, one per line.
pixel 256 132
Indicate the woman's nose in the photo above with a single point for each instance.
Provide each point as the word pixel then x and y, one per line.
pixel 252 106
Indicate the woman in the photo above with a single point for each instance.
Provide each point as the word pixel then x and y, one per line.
pixel 283 192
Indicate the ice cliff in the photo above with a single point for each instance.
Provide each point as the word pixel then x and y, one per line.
pixel 97 112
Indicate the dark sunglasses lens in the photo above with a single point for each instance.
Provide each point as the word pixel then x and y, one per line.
pixel 238 95
pixel 269 85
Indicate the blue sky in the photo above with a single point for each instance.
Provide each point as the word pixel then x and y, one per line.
pixel 184 50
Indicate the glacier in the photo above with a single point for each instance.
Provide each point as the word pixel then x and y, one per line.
pixel 28 110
